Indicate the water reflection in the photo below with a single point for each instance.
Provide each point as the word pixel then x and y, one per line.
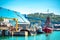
pixel 53 36
pixel 4 37
pixel 26 37
pixel 48 37
pixel 34 37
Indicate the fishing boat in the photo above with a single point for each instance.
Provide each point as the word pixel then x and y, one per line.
pixel 47 27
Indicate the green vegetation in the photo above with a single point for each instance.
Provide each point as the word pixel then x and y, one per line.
pixel 1 19
pixel 53 17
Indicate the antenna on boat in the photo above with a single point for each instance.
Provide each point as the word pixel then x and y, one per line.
pixel 47 10
pixel 48 18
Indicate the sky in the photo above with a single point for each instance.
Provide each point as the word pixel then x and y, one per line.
pixel 32 6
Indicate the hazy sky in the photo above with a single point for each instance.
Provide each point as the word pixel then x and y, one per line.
pixel 31 6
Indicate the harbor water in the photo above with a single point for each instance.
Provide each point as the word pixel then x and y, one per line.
pixel 55 35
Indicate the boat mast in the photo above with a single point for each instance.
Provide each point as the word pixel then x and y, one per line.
pixel 47 23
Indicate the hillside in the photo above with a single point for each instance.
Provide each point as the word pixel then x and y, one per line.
pixel 53 17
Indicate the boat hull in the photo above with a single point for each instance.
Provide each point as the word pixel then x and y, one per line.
pixel 47 30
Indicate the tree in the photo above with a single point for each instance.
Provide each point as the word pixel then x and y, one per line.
pixel 1 19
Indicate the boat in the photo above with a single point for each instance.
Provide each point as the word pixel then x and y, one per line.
pixel 47 27
pixel 39 30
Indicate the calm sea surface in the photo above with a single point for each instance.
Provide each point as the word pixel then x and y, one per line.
pixel 53 36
